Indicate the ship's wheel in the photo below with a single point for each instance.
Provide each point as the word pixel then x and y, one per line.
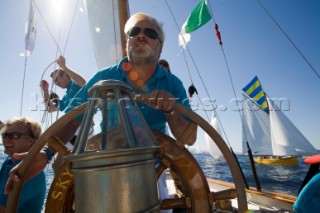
pixel 196 195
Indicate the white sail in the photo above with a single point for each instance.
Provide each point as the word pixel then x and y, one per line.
pixel 212 147
pixel 273 133
pixel 256 129
pixel 104 24
pixel 286 138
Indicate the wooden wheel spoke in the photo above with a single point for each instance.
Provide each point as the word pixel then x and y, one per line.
pixel 57 145
pixel 227 194
pixel 173 203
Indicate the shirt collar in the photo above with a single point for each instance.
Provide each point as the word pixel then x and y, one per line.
pixel 121 64
pixel 159 73
pixel 69 84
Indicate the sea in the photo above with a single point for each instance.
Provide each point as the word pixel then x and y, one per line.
pixel 283 179
pixel 275 178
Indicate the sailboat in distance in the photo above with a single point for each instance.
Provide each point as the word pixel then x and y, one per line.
pixel 272 137
pixel 212 147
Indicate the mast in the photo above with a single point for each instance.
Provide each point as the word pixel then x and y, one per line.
pixel 123 17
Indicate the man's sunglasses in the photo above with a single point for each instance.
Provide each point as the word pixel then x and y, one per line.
pixel 150 33
pixel 13 135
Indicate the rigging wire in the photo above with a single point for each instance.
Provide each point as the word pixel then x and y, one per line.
pixel 230 76
pixel 52 37
pixel 41 92
pixel 23 80
pixel 72 21
pixel 237 102
pixel 58 49
pixel 53 87
pixel 175 21
pixel 289 39
pixel 198 96
pixel 228 70
pixel 203 84
pixel 26 59
pixel 188 68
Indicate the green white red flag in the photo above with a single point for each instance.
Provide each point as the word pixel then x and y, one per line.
pixel 197 18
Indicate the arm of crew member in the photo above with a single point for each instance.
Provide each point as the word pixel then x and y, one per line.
pixel 73 74
pixel 47 102
pixel 181 128
pixel 45 89
pixel 41 160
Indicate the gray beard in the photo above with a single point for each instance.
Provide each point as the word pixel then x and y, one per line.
pixel 143 58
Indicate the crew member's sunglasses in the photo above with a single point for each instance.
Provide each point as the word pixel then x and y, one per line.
pixel 12 135
pixel 150 33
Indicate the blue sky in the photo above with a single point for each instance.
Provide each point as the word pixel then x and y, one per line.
pixel 252 44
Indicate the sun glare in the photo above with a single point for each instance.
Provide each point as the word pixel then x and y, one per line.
pixel 58 6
